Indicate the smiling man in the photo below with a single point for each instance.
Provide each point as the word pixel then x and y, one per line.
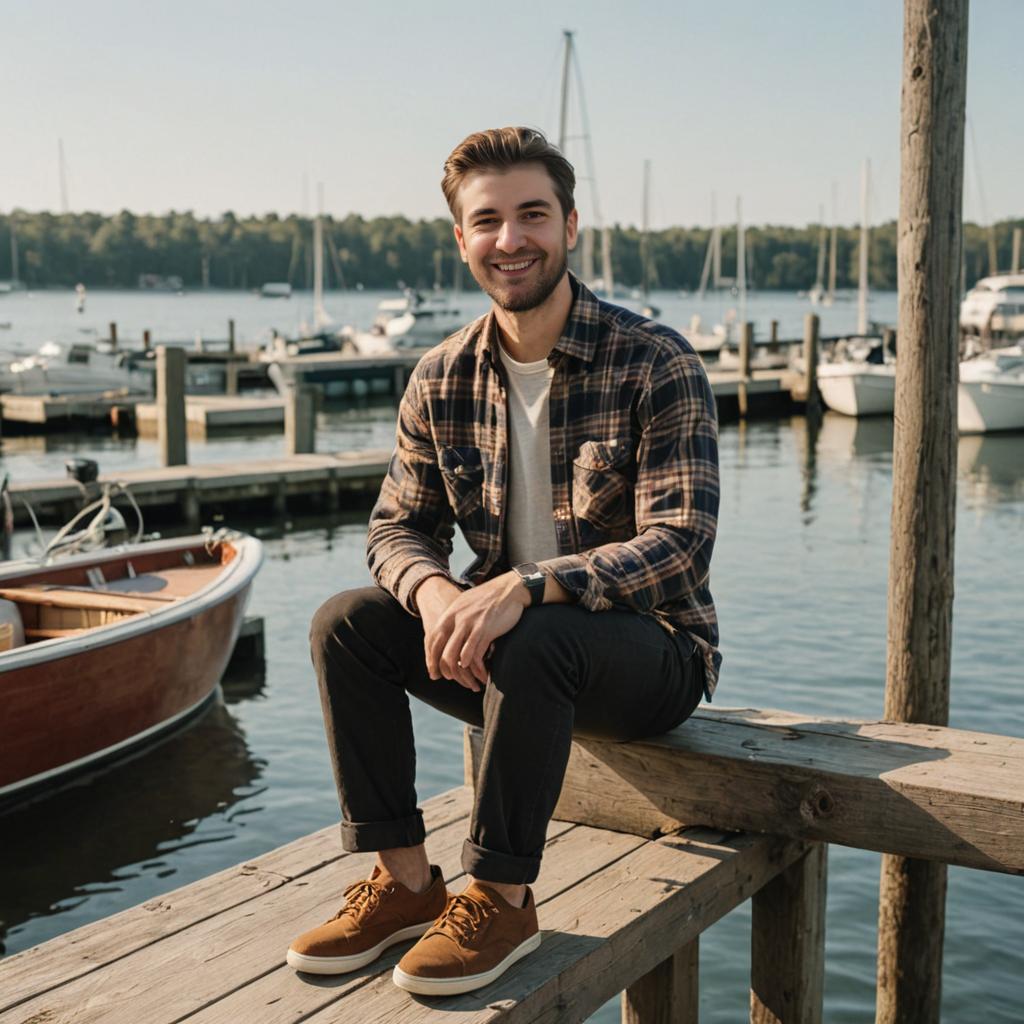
pixel 574 443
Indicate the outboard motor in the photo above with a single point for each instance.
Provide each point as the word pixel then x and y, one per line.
pixel 85 471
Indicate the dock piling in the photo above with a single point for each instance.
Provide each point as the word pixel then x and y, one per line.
pixel 300 420
pixel 147 340
pixel 669 994
pixel 912 894
pixel 113 336
pixel 170 403
pixel 812 327
pixel 231 336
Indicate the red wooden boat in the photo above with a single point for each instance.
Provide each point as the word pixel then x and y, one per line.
pixel 118 646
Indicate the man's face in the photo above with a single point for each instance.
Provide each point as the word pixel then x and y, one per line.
pixel 513 235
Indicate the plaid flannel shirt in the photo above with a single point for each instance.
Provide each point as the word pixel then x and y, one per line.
pixel 634 470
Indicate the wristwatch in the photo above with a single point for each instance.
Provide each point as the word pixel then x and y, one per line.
pixel 534 579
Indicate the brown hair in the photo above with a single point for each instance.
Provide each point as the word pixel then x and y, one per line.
pixel 501 149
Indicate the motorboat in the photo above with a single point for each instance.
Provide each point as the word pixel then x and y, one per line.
pixel 990 395
pixel 103 651
pixel 994 307
pixel 76 369
pixel 413 322
pixel 858 377
pixel 276 290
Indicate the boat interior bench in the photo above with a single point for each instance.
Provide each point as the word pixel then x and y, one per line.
pixel 626 886
pixel 54 611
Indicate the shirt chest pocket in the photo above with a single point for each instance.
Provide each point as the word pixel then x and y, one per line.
pixel 602 492
pixel 463 473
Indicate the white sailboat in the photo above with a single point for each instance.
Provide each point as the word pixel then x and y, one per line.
pixel 859 377
pixel 817 292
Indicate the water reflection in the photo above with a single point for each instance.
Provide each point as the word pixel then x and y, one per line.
pixel 991 467
pixel 125 823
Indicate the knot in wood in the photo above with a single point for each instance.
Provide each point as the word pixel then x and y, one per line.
pixel 817 804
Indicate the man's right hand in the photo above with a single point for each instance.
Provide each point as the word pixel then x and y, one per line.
pixel 433 596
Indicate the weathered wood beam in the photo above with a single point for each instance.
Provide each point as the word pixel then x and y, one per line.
pixel 916 790
pixel 670 994
pixel 787 970
pixel 912 896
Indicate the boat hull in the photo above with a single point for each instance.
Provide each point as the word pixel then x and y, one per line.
pixel 78 703
pixel 858 392
pixel 987 406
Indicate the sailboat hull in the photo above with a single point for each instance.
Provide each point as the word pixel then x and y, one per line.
pixel 986 406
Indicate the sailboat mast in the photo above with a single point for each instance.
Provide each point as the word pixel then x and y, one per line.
pixel 319 313
pixel 819 278
pixel 741 262
pixel 563 117
pixel 63 177
pixel 607 278
pixel 862 276
pixel 832 251
pixel 645 243
pixel 716 247
pixel 14 249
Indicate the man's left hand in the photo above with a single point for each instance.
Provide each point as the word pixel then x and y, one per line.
pixel 461 638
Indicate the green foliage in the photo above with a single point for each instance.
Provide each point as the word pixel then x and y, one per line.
pixel 61 250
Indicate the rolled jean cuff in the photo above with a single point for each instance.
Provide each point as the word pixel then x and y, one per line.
pixel 368 836
pixel 491 866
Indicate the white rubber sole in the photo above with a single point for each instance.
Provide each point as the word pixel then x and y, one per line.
pixel 344 964
pixel 468 983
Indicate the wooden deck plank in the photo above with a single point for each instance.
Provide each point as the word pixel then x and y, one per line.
pixel 89 949
pixel 914 790
pixel 570 853
pixel 612 926
pixel 183 973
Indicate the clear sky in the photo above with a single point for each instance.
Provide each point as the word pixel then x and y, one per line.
pixel 217 105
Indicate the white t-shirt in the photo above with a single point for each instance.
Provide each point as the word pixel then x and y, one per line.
pixel 529 522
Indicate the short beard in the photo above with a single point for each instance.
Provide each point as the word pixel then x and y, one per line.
pixel 538 296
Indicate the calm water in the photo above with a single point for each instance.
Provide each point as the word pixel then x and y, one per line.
pixel 800 578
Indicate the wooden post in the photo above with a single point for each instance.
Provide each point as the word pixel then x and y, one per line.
pixel 787 968
pixel 147 340
pixel 773 337
pixel 170 405
pixel 911 920
pixel 812 325
pixel 300 420
pixel 1015 258
pixel 667 995
pixel 231 335
pixel 113 336
pixel 231 377
pixel 746 348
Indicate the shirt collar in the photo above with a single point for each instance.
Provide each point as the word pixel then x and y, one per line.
pixel 579 335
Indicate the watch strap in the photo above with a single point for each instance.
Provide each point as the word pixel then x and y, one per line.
pixel 534 579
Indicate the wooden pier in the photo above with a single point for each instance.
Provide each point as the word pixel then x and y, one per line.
pixel 629 882
pixel 209 414
pixel 192 491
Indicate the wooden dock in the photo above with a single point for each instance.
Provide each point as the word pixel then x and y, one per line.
pixel 189 492
pixel 208 414
pixel 625 890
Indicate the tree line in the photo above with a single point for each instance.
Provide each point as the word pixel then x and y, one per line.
pixel 61 250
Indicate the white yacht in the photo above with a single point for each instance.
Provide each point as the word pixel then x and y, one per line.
pixel 990 395
pixel 412 322
pixel 994 307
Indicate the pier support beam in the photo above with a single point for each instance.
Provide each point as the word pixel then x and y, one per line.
pixel 787 969
pixel 911 920
pixel 170 405
pixel 667 995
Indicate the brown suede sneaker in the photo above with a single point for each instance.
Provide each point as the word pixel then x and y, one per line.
pixel 477 938
pixel 379 912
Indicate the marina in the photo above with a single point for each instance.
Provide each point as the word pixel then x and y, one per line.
pixel 838 837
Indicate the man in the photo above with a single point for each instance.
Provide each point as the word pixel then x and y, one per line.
pixel 574 443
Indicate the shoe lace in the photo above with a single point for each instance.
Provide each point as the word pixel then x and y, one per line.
pixel 461 916
pixel 359 896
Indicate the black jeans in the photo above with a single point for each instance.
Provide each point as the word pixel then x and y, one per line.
pixel 614 675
